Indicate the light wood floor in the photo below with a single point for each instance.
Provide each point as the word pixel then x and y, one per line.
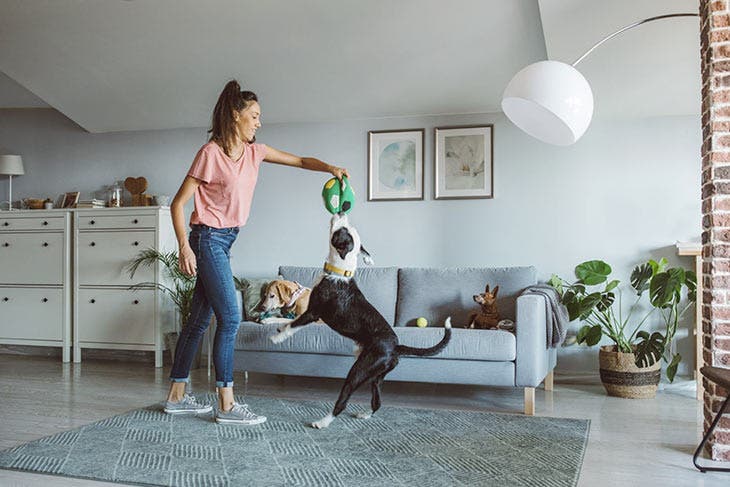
pixel 632 442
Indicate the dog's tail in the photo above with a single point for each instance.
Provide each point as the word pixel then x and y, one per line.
pixel 426 352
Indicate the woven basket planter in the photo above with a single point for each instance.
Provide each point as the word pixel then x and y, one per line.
pixel 622 378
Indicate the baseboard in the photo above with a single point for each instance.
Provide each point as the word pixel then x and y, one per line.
pixel 87 354
pixel 580 378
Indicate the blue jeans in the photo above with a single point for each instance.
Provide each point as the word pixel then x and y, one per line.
pixel 214 292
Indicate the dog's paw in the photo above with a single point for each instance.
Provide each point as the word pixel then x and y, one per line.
pixel 323 423
pixel 363 415
pixel 278 338
pixel 281 336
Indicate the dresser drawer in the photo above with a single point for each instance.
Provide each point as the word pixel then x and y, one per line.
pixel 31 223
pixel 92 222
pixel 31 258
pixel 114 316
pixel 31 314
pixel 103 257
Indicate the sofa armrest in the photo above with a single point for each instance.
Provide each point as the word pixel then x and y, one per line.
pixel 531 361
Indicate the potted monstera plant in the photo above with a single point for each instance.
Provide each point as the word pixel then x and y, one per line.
pixel 631 367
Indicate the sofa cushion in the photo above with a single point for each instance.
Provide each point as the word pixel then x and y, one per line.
pixel 437 294
pixel 497 345
pixel 492 345
pixel 314 338
pixel 378 284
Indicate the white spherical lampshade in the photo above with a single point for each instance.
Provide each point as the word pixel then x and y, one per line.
pixel 550 101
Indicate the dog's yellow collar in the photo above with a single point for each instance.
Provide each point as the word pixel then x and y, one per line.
pixel 329 268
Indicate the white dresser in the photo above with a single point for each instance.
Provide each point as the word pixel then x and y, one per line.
pixel 35 279
pixel 106 313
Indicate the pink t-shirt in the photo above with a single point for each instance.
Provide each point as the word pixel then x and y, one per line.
pixel 223 199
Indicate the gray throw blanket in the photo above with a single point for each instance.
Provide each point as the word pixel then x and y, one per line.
pixel 556 313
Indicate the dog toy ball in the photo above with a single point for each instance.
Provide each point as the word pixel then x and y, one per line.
pixel 421 322
pixel 338 196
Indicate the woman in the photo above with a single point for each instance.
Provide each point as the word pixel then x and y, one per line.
pixel 221 179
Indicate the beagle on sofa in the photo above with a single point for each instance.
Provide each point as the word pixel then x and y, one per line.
pixel 288 297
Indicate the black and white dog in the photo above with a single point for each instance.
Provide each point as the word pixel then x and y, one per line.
pixel 336 300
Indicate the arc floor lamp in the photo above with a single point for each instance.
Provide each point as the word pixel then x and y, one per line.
pixel 552 101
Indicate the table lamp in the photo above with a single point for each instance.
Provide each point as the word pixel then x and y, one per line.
pixel 11 165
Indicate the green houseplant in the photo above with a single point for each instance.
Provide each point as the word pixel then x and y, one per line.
pixel 596 299
pixel 178 285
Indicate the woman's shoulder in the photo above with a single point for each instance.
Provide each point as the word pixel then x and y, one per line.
pixel 211 146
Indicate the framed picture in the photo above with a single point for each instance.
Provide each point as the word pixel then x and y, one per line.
pixel 395 165
pixel 463 162
pixel 70 199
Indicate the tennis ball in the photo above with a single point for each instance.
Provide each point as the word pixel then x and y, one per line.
pixel 422 322
pixel 338 196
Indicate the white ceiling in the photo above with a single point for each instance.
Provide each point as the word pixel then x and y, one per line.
pixel 156 64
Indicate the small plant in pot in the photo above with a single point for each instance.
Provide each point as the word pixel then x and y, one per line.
pixel 631 367
pixel 178 286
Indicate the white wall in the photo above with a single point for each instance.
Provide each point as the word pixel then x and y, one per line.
pixel 626 192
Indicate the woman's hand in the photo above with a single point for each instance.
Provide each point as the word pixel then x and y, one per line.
pixel 339 172
pixel 187 263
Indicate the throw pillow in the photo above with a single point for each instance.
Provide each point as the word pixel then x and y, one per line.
pixel 253 293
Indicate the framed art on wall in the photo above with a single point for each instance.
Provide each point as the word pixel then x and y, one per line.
pixel 463 162
pixel 395 165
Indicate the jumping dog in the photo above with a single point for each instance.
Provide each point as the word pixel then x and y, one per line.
pixel 337 300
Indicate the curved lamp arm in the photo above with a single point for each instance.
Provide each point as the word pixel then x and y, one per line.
pixel 552 101
pixel 629 27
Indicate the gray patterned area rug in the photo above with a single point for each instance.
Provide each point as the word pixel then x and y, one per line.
pixel 397 446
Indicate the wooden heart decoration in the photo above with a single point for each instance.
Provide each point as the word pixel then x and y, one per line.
pixel 136 185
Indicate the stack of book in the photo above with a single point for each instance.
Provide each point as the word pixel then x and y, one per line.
pixel 90 204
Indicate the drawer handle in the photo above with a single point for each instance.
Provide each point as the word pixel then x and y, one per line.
pixel 92 300
pixel 6 299
pixel 6 244
pixel 136 301
pixel 92 244
pixel 6 224
pixel 45 300
pixel 45 223
pixel 135 221
pixel 45 244
pixel 92 222
pixel 135 243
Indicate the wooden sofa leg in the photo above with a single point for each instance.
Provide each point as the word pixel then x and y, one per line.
pixel 549 381
pixel 529 401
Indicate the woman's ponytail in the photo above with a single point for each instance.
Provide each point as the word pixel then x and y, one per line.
pixel 223 126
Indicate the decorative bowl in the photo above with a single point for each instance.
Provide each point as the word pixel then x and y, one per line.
pixel 34 203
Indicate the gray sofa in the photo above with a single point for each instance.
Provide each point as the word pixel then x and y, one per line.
pixel 481 357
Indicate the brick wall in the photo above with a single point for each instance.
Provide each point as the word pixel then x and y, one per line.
pixel 715 52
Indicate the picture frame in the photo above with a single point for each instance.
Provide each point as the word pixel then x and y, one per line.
pixel 464 162
pixel 70 199
pixel 395 165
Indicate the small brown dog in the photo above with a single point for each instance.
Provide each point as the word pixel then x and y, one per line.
pixel 487 318
pixel 288 296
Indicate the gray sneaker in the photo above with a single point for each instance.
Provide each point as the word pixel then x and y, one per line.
pixel 187 405
pixel 239 414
